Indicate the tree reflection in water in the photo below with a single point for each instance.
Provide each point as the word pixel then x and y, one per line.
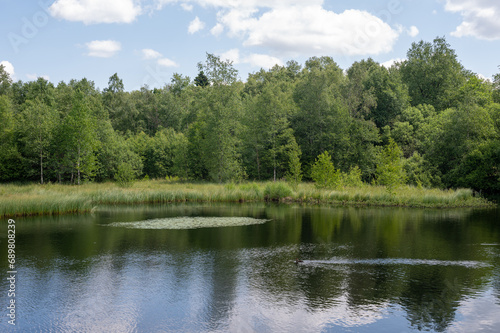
pixel 362 269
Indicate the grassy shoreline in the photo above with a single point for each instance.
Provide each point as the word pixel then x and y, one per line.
pixel 35 199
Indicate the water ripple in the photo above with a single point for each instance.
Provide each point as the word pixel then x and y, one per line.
pixel 397 261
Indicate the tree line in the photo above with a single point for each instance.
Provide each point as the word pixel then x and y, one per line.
pixel 426 120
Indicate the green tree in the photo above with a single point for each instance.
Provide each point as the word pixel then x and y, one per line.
pixel 374 92
pixel 454 134
pixel 114 151
pixel 480 169
pixel 323 172
pixel 197 169
pixel 121 106
pixel 360 98
pixel 115 85
pixel 361 151
pixel 219 118
pixel 79 141
pixel 201 80
pixel 294 174
pixel 391 94
pixel 496 87
pixel 125 174
pixel 420 173
pixel 268 132
pixel 37 124
pixel 179 83
pixel 5 81
pixel 10 159
pixel 390 171
pixel 474 91
pixel 432 73
pixel 322 121
pixel 160 155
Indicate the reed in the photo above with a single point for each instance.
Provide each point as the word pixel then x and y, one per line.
pixel 34 199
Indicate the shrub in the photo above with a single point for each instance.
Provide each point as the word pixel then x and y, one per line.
pixel 323 172
pixel 390 170
pixel 277 190
pixel 353 178
pixel 125 174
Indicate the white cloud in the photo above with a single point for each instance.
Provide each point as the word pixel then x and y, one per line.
pixel 263 61
pixel 484 77
pixel 413 31
pixel 390 63
pixel 312 30
pixel 242 4
pixel 103 48
pixel 231 55
pixel 480 18
pixel 150 54
pixel 34 77
pixel 187 7
pixel 217 29
pixel 96 11
pixel 256 60
pixel 292 27
pixel 9 68
pixel 196 25
pixel 165 62
pixel 316 30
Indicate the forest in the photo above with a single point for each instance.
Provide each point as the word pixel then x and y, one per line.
pixel 427 121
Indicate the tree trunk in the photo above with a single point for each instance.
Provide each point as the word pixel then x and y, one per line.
pixel 41 167
pixel 258 164
pixel 78 166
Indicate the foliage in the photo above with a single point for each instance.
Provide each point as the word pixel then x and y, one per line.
pixel 37 123
pixel 352 178
pixel 432 73
pixel 322 122
pixel 419 173
pixel 426 116
pixel 294 174
pixel 125 174
pixel 201 80
pixel 480 169
pixel 390 171
pixel 323 172
pixel 277 190
pixel 5 81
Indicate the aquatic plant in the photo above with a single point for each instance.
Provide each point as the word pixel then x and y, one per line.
pixel 187 222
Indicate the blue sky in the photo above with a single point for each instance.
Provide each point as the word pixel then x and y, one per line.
pixel 146 41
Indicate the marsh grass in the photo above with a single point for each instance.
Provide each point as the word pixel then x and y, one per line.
pixel 34 199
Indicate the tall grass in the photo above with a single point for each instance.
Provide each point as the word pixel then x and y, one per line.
pixel 18 200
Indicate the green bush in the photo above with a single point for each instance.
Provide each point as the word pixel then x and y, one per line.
pixel 277 190
pixel 125 175
pixel 353 178
pixel 323 172
pixel 390 171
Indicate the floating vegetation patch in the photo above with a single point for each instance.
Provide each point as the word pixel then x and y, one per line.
pixel 186 222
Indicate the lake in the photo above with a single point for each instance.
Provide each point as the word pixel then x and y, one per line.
pixel 362 270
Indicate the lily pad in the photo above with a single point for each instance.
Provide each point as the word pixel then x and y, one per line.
pixel 186 222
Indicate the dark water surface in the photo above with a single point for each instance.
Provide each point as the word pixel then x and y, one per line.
pixel 363 270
